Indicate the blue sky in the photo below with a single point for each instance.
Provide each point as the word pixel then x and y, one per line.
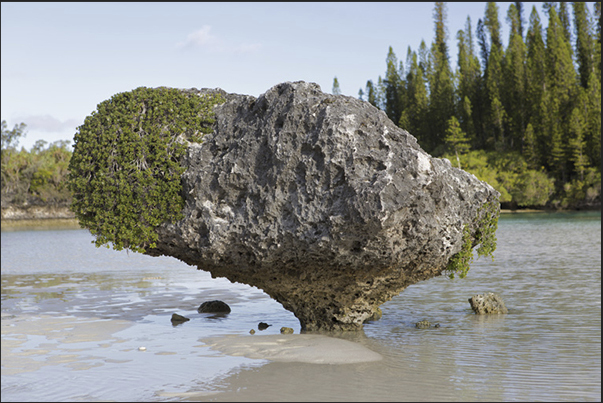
pixel 60 60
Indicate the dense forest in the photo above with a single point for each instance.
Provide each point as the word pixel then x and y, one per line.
pixel 526 119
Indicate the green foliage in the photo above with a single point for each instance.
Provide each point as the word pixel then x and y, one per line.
pixel 578 191
pixel 485 225
pixel 36 177
pixel 126 165
pixel 10 138
pixel 532 188
pixel 456 139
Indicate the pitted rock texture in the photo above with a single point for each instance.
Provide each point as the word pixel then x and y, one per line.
pixel 322 202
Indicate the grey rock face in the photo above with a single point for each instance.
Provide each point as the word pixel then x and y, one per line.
pixel 322 202
pixel 488 303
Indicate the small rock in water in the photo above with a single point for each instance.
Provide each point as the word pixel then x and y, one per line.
pixel 263 326
pixel 286 330
pixel 178 319
pixel 424 324
pixel 252 331
pixel 437 325
pixel 488 303
pixel 215 306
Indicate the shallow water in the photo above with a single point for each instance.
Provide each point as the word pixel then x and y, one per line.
pixel 74 317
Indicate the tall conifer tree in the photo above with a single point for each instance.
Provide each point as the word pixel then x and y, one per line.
pixel 561 87
pixel 440 81
pixel 585 42
pixel 515 80
pixel 393 87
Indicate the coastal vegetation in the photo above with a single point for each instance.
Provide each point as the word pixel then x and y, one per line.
pixel 36 177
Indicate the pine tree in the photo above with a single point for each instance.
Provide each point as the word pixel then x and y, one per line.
pixel 514 75
pixel 584 42
pixel 468 80
pixel 564 17
pixel 336 90
pixel 561 88
pixel 530 151
pixel 456 140
pixel 493 78
pixel 441 88
pixel 414 117
pixel 393 87
pixel 519 7
pixel 380 93
pixel 536 78
pixel 371 93
pixel 593 134
pixel 577 144
pixel 424 62
pixel 483 44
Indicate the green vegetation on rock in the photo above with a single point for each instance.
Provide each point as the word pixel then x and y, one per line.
pixel 126 165
pixel 485 224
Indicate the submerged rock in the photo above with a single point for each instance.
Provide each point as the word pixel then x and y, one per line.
pixel 424 324
pixel 178 319
pixel 322 202
pixel 215 306
pixel 488 303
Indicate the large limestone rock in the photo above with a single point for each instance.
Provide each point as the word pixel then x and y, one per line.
pixel 322 202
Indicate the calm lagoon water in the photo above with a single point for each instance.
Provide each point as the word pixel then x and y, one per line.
pixel 74 317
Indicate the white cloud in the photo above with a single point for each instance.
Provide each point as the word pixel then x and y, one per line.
pixel 200 38
pixel 49 124
pixel 203 38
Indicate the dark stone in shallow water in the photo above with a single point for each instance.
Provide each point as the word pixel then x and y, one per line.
pixel 213 307
pixel 177 319
pixel 263 326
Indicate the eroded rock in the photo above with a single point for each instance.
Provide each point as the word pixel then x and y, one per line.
pixel 322 202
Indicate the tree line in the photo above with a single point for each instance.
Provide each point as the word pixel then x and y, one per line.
pixel 35 177
pixel 526 119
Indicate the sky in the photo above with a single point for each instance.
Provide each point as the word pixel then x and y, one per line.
pixel 60 60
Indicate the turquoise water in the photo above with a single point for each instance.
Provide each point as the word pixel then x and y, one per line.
pixel 74 316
